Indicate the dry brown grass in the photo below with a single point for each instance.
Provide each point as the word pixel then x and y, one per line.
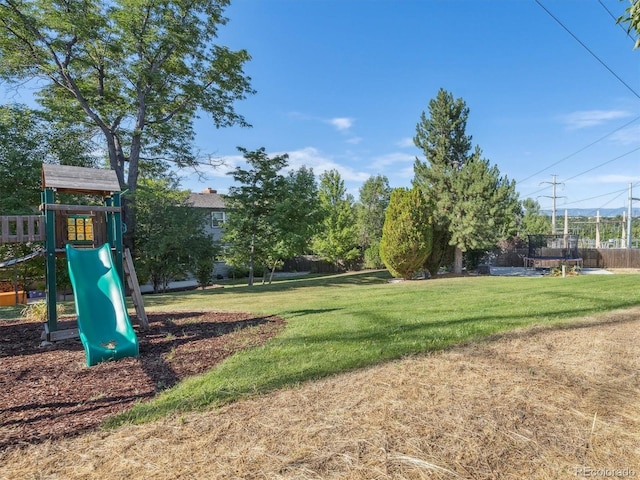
pixel 531 404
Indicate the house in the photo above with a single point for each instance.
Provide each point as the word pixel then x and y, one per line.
pixel 211 201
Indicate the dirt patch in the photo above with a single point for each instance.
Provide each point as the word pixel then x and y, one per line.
pixel 49 392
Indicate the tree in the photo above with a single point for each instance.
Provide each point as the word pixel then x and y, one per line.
pixel 27 140
pixel 407 235
pixel 533 221
pixel 251 228
pixel 473 206
pixel 337 238
pixel 632 18
pixel 137 71
pixel 374 199
pixel 486 206
pixel 171 237
pixel 297 218
pixel 22 152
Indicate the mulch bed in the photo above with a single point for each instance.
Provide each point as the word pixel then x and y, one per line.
pixel 49 392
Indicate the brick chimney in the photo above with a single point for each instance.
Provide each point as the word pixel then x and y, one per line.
pixel 209 190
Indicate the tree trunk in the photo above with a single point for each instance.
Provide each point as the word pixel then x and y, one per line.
pixel 251 253
pixel 273 270
pixel 457 261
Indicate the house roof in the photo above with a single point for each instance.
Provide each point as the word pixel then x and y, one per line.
pixel 207 199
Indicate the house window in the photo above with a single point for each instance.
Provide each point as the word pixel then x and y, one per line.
pixel 217 218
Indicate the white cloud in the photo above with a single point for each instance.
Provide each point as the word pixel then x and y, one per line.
pixel 405 142
pixel 392 159
pixel 613 178
pixel 311 157
pixel 342 124
pixel 354 140
pixel 591 118
pixel 627 136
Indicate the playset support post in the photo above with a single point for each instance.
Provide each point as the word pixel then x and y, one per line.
pixel 50 259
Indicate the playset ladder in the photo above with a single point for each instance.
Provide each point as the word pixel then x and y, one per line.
pixel 134 286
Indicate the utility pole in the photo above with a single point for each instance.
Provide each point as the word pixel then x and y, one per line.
pixel 629 215
pixel 553 197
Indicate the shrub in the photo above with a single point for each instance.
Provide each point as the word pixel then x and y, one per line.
pixel 37 312
pixel 407 236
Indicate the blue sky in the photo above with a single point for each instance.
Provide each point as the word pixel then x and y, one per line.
pixel 342 83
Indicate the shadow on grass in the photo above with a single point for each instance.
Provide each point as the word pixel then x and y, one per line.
pixel 372 277
pixel 293 359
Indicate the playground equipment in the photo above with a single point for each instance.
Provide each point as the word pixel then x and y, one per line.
pixel 88 235
pixel 104 325
pixel 547 251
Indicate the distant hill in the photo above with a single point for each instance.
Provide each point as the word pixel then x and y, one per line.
pixel 591 212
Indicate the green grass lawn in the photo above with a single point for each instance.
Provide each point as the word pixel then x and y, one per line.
pixel 343 322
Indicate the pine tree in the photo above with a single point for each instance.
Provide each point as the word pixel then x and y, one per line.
pixel 473 206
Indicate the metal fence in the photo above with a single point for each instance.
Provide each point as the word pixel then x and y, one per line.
pixel 592 257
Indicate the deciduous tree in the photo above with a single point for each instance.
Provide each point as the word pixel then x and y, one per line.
pixel 373 202
pixel 137 71
pixel 337 238
pixel 27 140
pixel 171 237
pixel 533 221
pixel 252 229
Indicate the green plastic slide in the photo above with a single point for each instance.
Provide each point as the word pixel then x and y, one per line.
pixel 105 328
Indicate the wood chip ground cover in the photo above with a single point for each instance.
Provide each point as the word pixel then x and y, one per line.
pixel 48 392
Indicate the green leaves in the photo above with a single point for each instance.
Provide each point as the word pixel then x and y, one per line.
pixel 407 235
pixel 271 217
pixel 473 206
pixel 337 238
pixel 139 71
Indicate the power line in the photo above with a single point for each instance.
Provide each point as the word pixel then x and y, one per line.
pixel 589 170
pixel 588 49
pixel 618 192
pixel 604 163
pixel 614 198
pixel 626 32
pixel 580 151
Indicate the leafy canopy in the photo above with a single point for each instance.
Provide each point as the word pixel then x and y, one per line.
pixel 138 71
pixel 337 238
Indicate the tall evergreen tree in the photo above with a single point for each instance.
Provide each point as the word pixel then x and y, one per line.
pixel 473 206
pixel 407 235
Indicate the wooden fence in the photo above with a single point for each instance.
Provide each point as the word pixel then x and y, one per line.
pixel 22 228
pixel 309 263
pixel 591 257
